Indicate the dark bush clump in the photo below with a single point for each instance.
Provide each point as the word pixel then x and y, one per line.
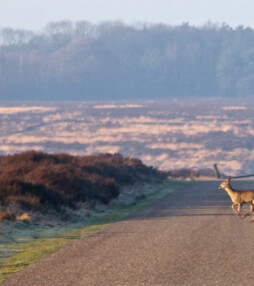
pixel 35 180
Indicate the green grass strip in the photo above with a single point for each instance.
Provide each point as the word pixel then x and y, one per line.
pixel 32 251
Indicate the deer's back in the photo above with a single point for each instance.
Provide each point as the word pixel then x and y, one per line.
pixel 246 196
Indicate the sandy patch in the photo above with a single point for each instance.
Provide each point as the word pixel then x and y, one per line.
pixel 114 106
pixel 234 107
pixel 19 109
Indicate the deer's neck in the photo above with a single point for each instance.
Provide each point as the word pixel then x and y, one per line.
pixel 231 192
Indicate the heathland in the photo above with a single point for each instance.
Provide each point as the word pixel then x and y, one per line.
pixel 37 182
pixel 168 135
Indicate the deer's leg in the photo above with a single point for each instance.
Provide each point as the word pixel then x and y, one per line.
pixel 239 206
pixel 235 211
pixel 251 210
pixel 252 206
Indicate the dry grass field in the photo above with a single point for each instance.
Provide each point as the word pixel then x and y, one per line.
pixel 167 135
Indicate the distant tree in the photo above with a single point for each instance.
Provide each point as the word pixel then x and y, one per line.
pixel 84 30
pixel 235 68
pixel 112 60
pixel 59 33
pixel 12 37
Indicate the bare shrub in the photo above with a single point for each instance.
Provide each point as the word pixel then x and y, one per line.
pixel 7 215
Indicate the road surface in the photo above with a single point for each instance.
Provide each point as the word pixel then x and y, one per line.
pixel 191 237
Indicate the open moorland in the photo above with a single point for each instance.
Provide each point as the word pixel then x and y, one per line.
pixel 84 162
pixel 168 135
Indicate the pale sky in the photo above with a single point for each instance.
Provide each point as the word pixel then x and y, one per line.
pixel 35 14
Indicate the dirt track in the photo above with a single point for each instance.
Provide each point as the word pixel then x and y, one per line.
pixel 191 237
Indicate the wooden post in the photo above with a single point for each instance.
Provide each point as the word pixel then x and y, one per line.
pixel 216 170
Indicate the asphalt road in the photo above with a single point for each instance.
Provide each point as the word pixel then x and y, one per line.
pixel 191 237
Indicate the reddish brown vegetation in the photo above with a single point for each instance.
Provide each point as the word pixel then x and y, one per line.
pixel 33 180
pixel 7 215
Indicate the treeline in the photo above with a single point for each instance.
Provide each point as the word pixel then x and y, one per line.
pixel 36 181
pixel 84 61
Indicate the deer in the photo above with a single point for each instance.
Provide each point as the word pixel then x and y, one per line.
pixel 239 198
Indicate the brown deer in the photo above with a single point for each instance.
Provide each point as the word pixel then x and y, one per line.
pixel 239 197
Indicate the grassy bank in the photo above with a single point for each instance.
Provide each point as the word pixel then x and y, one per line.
pixel 27 253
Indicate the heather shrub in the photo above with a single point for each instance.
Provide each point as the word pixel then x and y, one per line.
pixel 34 180
pixel 27 195
pixel 7 215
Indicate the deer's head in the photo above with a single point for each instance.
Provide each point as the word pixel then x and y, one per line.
pixel 225 184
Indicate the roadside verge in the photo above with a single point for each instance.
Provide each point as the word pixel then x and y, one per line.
pixel 36 249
